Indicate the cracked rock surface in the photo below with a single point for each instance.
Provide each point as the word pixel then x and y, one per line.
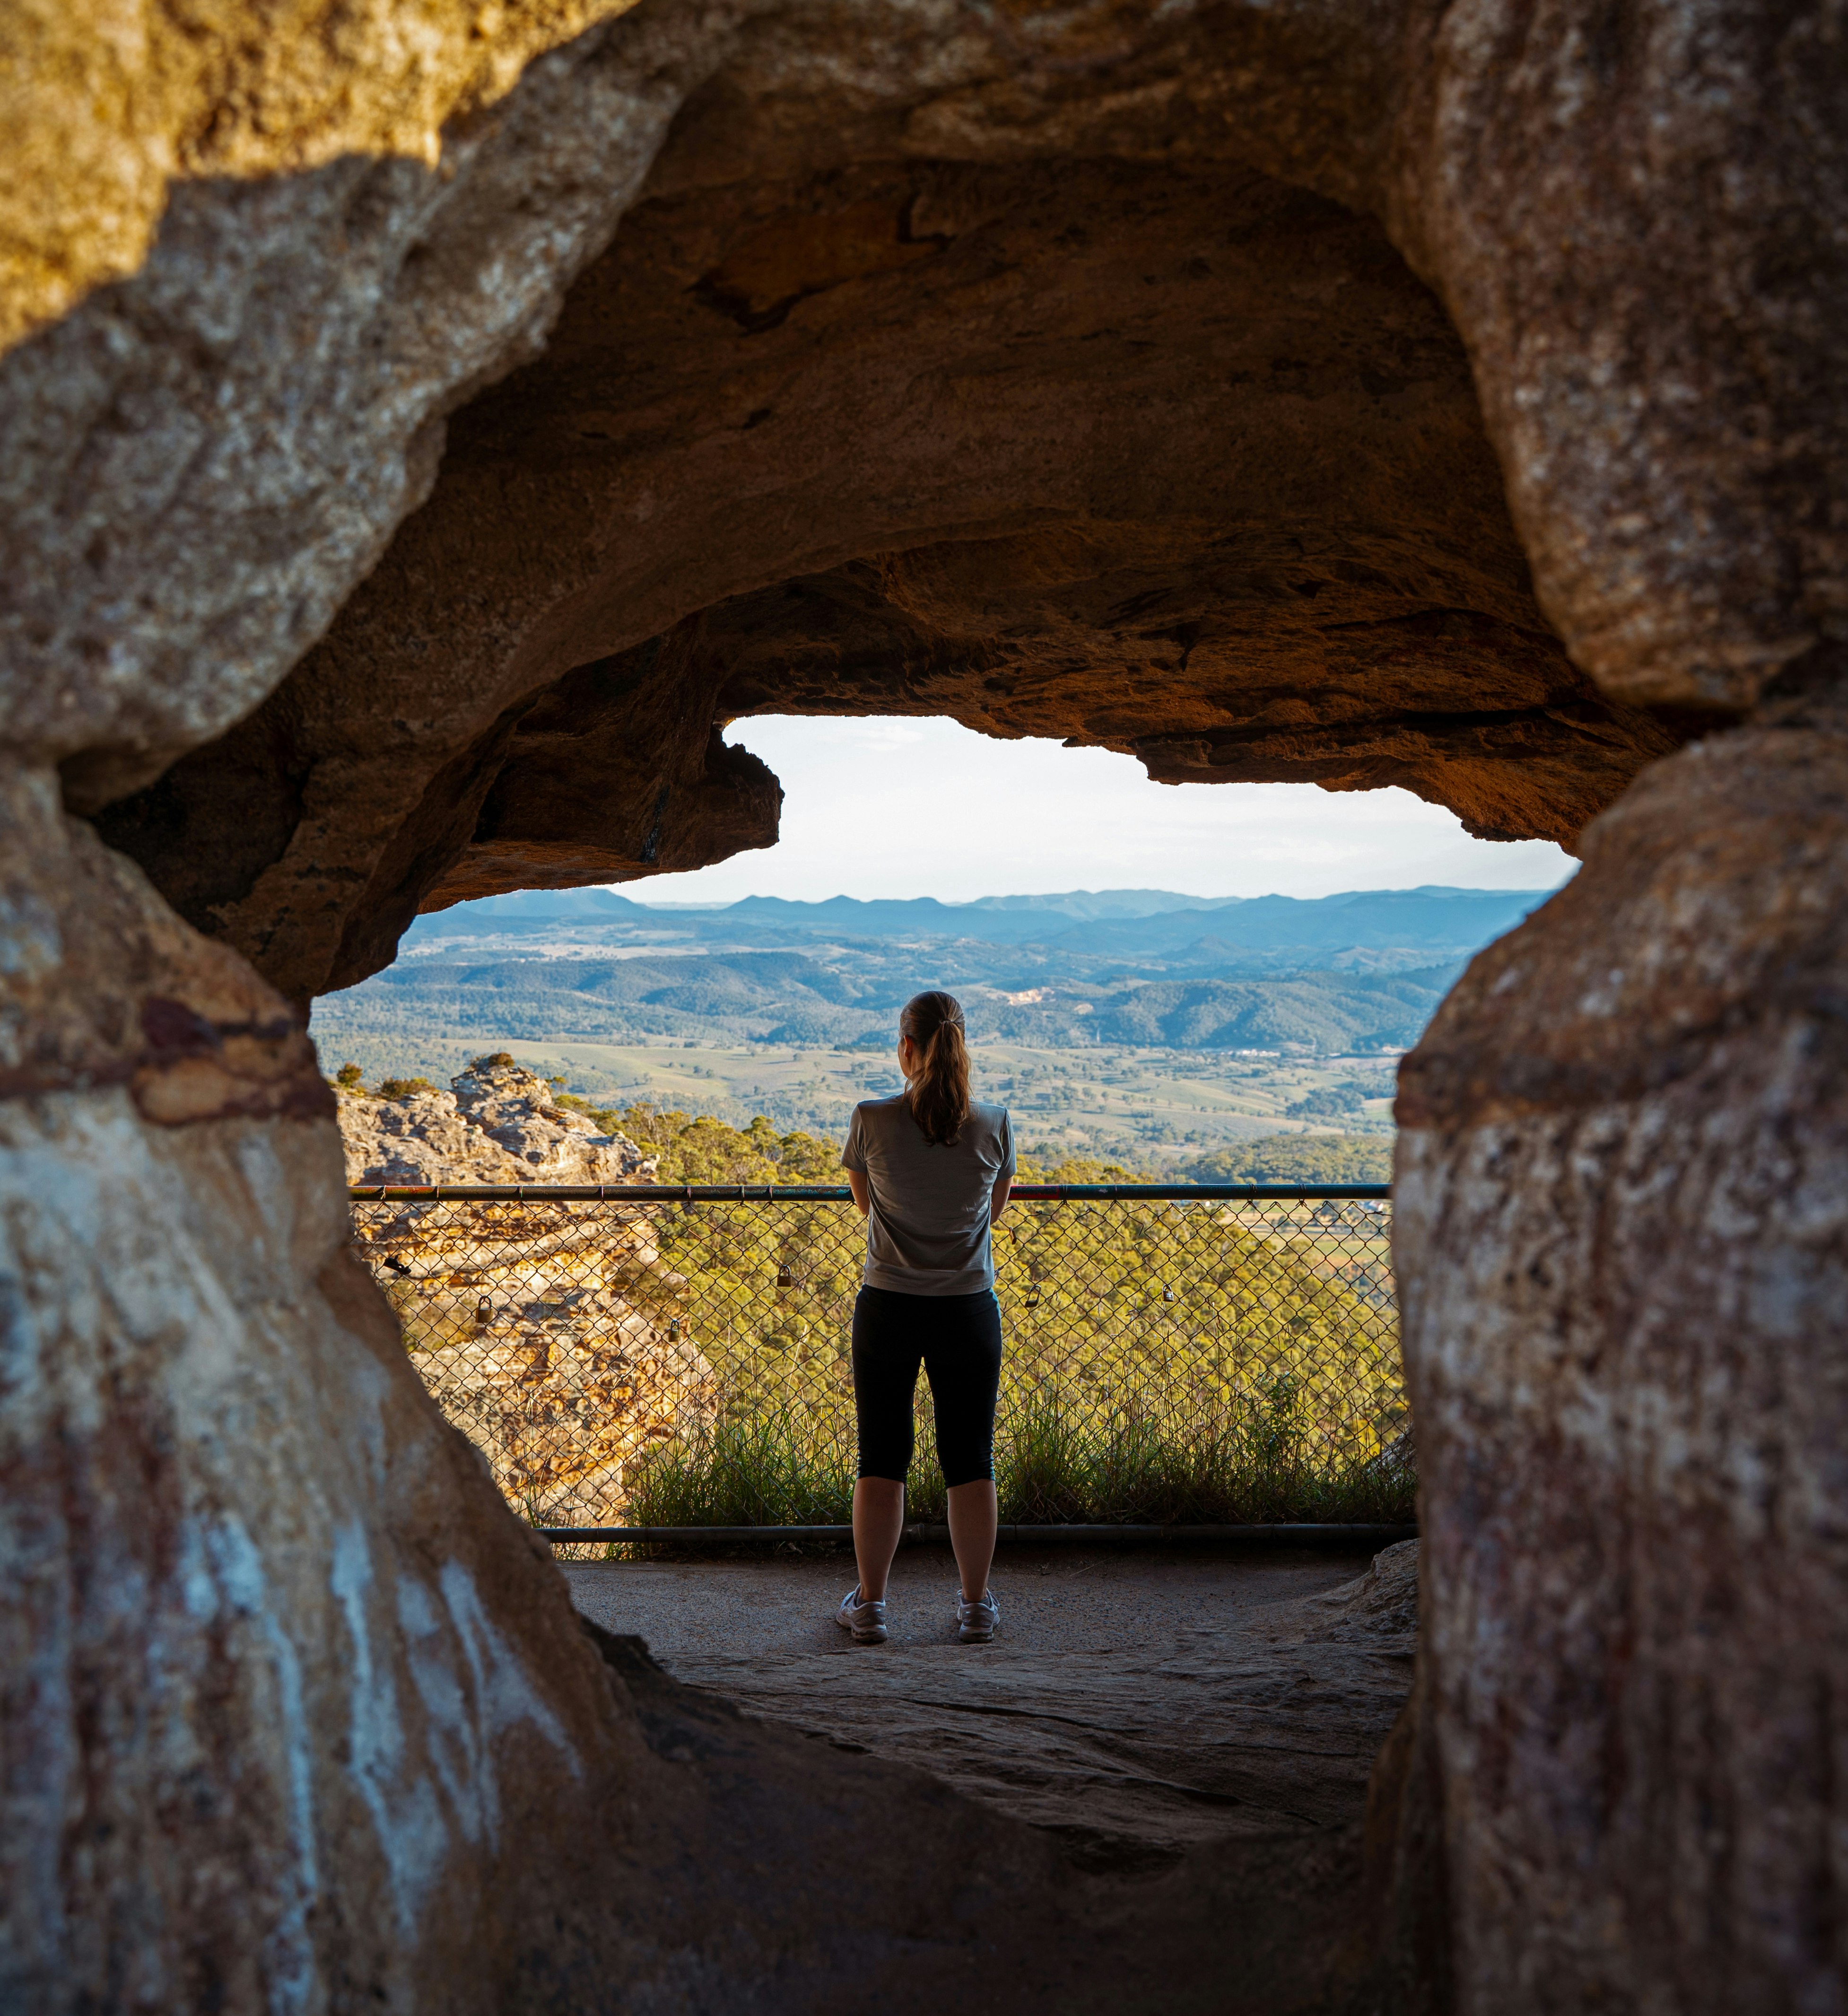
pixel 1141 1705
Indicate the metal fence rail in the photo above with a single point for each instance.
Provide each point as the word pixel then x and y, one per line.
pixel 670 1355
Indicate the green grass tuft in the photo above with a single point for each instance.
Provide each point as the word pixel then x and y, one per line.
pixel 1055 1462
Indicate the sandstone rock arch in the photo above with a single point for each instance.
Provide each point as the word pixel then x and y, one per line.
pixel 498 409
pixel 1177 459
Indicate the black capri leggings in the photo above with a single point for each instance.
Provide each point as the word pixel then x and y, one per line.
pixel 958 1338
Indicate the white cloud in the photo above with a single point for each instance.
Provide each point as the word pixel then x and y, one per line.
pixel 898 807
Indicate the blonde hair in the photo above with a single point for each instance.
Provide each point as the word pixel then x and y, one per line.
pixel 938 1094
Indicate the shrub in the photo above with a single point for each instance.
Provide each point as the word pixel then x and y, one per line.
pixel 1297 1158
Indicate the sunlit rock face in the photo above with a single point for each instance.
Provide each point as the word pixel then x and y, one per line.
pixel 499 1123
pixel 418 1137
pixel 545 1332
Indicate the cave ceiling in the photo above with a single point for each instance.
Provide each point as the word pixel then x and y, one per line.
pixel 1170 458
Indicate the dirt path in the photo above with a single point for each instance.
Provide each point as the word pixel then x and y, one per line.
pixel 1144 1707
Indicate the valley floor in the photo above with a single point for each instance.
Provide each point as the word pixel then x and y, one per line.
pixel 1147 1104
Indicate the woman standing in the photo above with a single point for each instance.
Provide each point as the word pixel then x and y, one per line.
pixel 931 1171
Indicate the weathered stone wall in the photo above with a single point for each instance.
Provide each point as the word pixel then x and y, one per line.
pixel 1622 1217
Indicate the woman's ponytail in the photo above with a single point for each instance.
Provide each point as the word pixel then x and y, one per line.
pixel 938 1093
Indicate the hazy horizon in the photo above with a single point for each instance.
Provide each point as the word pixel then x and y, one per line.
pixel 894 807
pixel 632 891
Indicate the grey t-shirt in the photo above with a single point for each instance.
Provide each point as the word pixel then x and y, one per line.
pixel 927 1231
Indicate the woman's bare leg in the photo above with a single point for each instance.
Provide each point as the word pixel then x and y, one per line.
pixel 973 1517
pixel 878 1526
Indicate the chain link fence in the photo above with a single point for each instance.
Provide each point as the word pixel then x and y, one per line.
pixel 673 1357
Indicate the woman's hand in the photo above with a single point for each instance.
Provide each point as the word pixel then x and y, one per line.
pixel 863 1195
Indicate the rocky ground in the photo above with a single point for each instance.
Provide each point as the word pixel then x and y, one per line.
pixel 1153 1710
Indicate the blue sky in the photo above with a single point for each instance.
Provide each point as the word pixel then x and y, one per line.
pixel 892 807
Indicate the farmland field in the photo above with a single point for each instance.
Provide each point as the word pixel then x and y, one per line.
pixel 1155 1106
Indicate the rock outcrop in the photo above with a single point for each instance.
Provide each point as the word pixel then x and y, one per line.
pixel 1621 1218
pixel 546 1332
pixel 419 1137
pixel 499 1123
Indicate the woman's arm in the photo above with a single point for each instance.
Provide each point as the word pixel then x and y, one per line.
pixel 997 1202
pixel 863 1197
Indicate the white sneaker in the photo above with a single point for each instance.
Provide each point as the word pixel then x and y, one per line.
pixel 866 1621
pixel 976 1622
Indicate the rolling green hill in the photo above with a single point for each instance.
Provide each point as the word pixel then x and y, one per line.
pixel 792 997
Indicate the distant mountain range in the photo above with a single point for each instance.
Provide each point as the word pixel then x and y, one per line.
pixel 783 997
pixel 1251 935
pixel 1274 975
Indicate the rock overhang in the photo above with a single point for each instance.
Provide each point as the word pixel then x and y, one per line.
pixel 1173 251
pixel 1174 459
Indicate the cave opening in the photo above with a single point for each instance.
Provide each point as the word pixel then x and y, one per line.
pixel 892 805
pixel 1174 460
pixel 420 439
